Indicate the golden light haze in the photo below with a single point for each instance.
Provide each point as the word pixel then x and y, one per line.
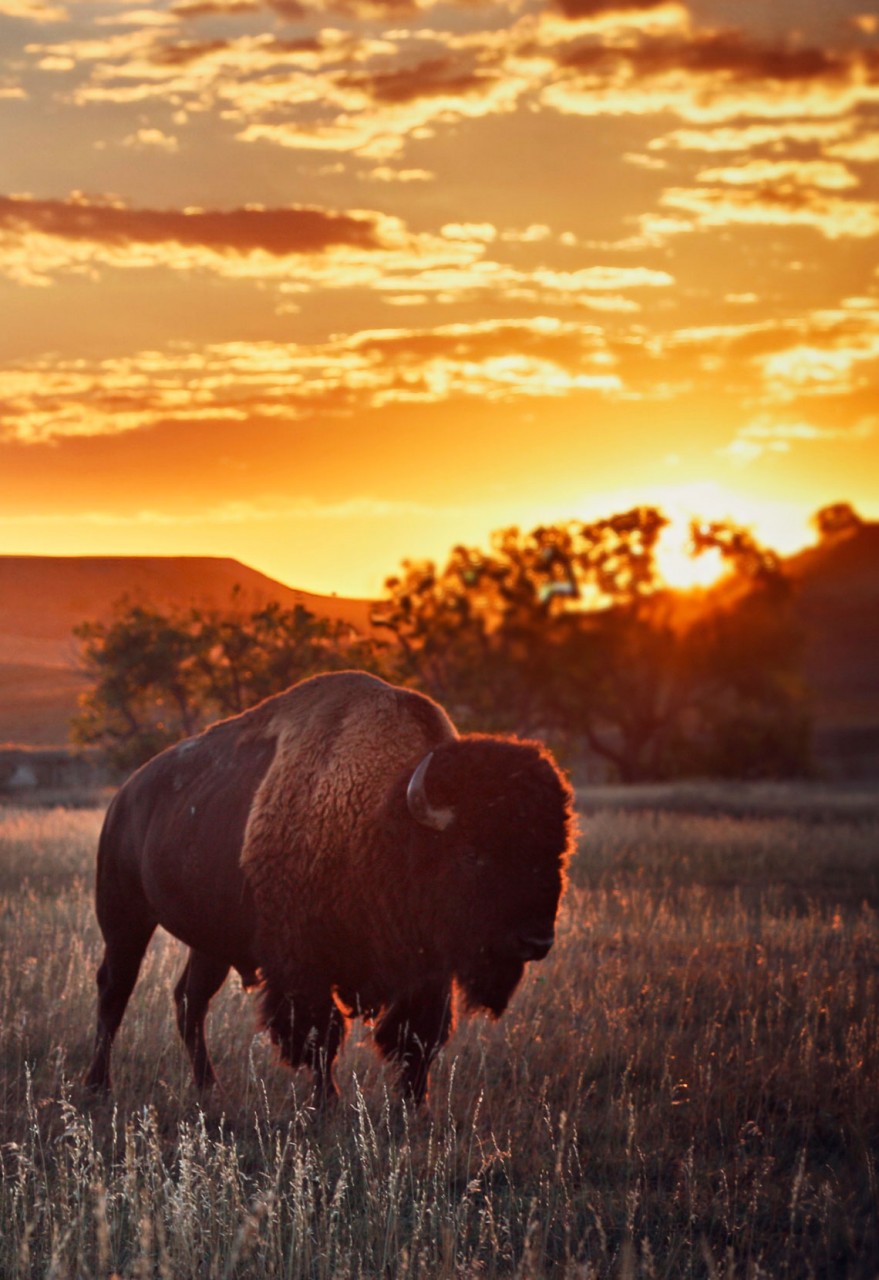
pixel 325 286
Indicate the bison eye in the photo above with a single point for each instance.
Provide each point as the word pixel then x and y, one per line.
pixel 472 856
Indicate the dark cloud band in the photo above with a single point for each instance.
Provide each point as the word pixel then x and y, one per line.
pixel 274 231
pixel 597 8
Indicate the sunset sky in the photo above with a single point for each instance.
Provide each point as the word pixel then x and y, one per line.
pixel 323 284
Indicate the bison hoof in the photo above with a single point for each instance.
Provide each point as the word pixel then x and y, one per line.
pixel 98 1086
pixel 325 1095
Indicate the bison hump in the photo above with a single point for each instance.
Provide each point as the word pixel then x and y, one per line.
pixel 342 742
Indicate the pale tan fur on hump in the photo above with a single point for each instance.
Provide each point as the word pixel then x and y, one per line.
pixel 341 742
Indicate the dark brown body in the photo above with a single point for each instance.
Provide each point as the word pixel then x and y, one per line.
pixel 294 844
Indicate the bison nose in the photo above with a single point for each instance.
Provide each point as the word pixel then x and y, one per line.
pixel 534 947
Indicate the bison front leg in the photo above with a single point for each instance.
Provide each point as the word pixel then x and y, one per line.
pixel 307 1034
pixel 199 982
pixel 412 1031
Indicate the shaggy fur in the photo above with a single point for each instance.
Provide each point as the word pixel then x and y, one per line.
pixel 280 843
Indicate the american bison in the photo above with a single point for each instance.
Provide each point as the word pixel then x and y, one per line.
pixel 343 848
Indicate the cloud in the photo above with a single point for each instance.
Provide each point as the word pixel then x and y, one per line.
pixel 191 9
pixel 151 140
pixel 709 77
pixel 827 357
pixel 40 238
pixel 431 78
pixel 818 369
pixel 158 18
pixel 184 53
pixel 32 11
pixel 598 8
pixel 606 278
pixel 728 55
pixel 766 436
pixel 279 232
pixel 335 89
pixel 589 288
pixel 133 66
pixel 299 249
pixel 749 137
pixel 352 90
pixel 374 112
pixel 785 206
pixel 614 17
pixel 535 233
pixel 812 374
pixel 828 175
pixel 240 382
pixel 386 173
pixel 294 10
pixel 860 150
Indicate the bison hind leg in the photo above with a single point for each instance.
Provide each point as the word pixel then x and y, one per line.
pixel 307 1034
pixel 126 941
pixel 412 1031
pixel 200 980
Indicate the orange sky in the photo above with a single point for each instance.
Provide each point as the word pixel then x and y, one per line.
pixel 323 284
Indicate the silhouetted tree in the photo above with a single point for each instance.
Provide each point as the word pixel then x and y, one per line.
pixel 749 712
pixel 835 519
pixel 244 657
pixel 145 692
pixel 162 674
pixel 749 562
pixel 565 631
pixel 484 634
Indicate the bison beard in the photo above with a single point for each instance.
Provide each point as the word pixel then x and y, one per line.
pixel 344 846
pixel 489 983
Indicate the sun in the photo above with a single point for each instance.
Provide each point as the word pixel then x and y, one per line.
pixel 778 523
pixel 681 570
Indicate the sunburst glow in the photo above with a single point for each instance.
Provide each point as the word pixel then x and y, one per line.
pixel 679 568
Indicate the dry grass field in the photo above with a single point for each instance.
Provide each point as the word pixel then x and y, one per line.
pixel 688 1086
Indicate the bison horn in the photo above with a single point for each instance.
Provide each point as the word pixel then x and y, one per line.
pixel 419 805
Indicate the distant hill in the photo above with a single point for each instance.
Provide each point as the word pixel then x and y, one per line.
pixel 42 598
pixel 835 602
pixel 836 596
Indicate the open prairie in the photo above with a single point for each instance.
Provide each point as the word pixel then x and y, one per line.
pixel 687 1086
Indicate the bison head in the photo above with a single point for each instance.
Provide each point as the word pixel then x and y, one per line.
pixel 495 821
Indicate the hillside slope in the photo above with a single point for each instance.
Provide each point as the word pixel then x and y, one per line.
pixel 42 598
pixel 837 600
pixel 836 597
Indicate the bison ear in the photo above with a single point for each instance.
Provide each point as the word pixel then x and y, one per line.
pixel 419 805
